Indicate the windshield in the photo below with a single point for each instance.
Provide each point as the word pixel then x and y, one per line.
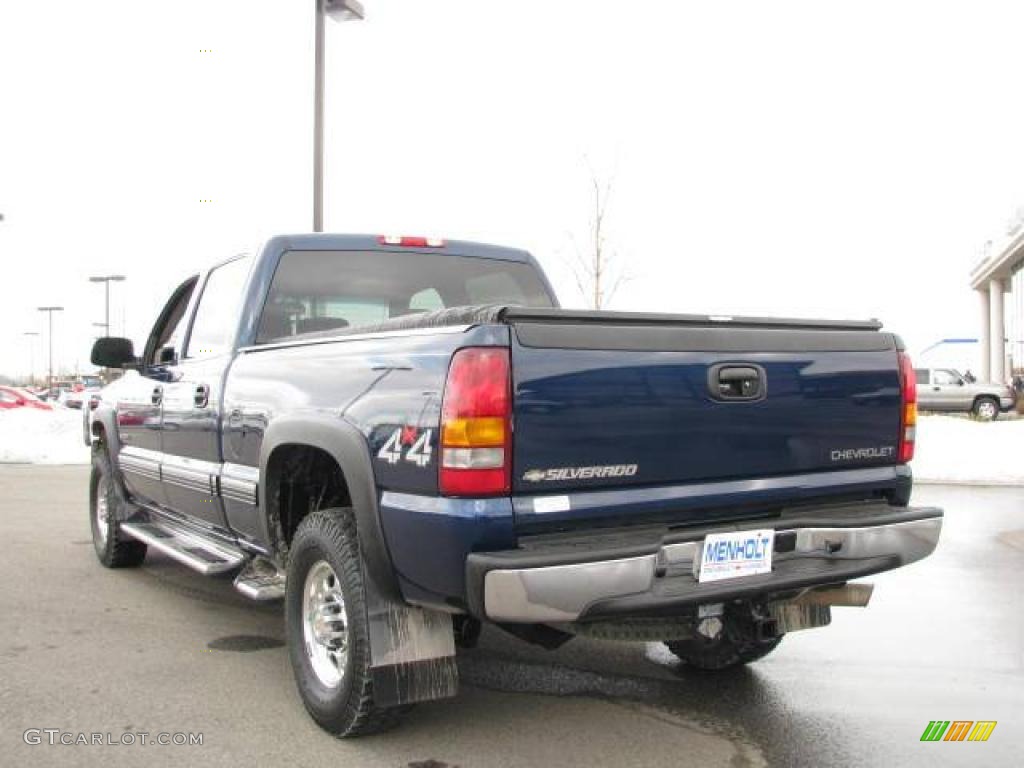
pixel 327 290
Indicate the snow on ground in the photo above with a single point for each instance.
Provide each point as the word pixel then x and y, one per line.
pixel 950 449
pixel 960 450
pixel 31 436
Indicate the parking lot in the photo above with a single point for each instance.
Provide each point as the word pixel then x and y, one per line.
pixel 161 649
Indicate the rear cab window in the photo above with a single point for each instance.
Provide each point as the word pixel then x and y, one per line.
pixel 335 290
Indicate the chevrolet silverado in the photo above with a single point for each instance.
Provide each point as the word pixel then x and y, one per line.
pixel 404 437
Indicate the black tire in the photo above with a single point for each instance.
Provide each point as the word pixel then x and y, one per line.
pixel 113 548
pixel 347 709
pixel 986 409
pixel 737 645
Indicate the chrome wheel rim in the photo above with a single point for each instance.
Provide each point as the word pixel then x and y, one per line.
pixel 325 624
pixel 986 411
pixel 102 511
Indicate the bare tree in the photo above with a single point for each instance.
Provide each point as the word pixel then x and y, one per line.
pixel 595 264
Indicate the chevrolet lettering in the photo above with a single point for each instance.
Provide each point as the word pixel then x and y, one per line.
pixel 854 454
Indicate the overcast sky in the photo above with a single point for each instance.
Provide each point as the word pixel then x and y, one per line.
pixel 784 158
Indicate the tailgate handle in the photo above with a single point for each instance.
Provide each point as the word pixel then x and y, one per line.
pixel 736 382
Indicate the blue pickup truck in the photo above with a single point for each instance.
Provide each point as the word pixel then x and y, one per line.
pixel 404 437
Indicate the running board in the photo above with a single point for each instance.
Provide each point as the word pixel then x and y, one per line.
pixel 261 580
pixel 197 552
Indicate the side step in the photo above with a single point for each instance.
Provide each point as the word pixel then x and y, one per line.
pixel 261 580
pixel 199 553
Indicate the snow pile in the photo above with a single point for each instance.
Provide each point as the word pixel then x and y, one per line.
pixel 964 451
pixel 32 436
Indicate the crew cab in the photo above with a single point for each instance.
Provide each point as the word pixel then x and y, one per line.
pixel 406 437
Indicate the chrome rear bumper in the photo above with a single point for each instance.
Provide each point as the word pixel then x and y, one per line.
pixel 804 556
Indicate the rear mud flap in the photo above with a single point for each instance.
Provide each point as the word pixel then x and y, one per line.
pixel 412 651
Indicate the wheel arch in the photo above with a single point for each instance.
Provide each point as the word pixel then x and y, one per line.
pixel 103 429
pixel 347 448
pixel 979 398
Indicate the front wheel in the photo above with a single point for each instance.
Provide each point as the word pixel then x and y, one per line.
pixel 113 548
pixel 986 409
pixel 326 625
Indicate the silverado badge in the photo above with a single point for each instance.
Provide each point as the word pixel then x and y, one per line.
pixel 580 473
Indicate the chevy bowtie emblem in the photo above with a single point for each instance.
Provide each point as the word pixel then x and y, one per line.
pixel 533 476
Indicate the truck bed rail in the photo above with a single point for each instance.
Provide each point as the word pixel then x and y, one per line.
pixel 514 315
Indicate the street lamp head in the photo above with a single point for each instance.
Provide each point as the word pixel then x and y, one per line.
pixel 50 309
pixel 31 333
pixel 106 278
pixel 344 10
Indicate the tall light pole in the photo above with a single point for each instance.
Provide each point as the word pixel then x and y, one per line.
pixel 49 311
pixel 31 336
pixel 107 280
pixel 340 10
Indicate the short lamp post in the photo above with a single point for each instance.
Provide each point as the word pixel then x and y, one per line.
pixel 49 311
pixel 106 280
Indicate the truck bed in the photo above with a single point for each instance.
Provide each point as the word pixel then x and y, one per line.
pixel 625 399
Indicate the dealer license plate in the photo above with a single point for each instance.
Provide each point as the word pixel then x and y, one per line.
pixel 737 553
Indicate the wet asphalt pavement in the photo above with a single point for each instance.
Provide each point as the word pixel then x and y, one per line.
pixel 160 648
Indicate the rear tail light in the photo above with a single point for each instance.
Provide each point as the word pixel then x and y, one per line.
pixel 908 408
pixel 476 434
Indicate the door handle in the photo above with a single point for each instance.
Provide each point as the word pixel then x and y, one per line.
pixel 936 389
pixel 736 382
pixel 202 396
pixel 157 396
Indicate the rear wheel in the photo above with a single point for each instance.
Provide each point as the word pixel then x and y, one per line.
pixel 986 409
pixel 328 636
pixel 113 548
pixel 737 644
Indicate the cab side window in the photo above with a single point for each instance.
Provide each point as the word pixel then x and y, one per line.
pixel 165 342
pixel 216 318
pixel 945 378
pixel 921 374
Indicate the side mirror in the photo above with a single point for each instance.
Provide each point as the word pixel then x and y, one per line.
pixel 112 352
pixel 959 382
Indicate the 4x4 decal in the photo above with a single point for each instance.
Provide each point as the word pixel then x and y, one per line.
pixel 416 445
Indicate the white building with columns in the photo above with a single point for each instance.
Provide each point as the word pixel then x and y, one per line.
pixel 998 278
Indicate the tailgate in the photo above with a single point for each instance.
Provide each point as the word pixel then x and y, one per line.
pixel 609 400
